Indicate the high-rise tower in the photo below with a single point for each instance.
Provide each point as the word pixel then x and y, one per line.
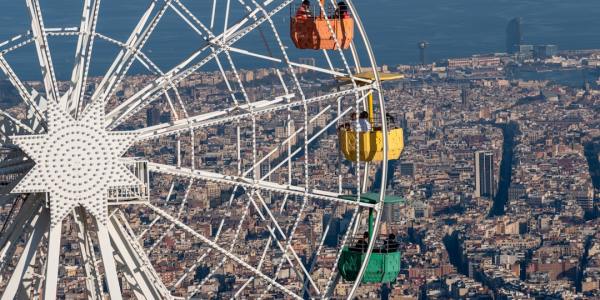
pixel 152 116
pixel 422 45
pixel 514 35
pixel 484 174
pixel 464 97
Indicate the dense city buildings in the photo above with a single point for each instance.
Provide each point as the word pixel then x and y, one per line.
pixel 544 242
pixel 477 137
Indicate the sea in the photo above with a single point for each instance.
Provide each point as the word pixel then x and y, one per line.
pixel 452 28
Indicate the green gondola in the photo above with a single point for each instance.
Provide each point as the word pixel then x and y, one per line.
pixel 384 264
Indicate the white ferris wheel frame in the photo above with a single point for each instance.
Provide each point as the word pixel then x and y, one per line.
pixel 32 220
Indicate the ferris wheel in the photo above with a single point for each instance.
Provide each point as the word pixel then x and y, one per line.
pixel 252 167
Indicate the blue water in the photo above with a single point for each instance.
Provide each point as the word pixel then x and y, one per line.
pixel 453 29
pixel 456 28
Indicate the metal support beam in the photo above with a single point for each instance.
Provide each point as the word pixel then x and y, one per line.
pixel 137 264
pixel 28 95
pixel 43 51
pixel 108 260
pixel 92 276
pixel 40 226
pixel 221 117
pixel 87 29
pixel 51 280
pixel 22 223
pixel 249 183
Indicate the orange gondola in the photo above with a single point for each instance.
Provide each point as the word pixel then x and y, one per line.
pixel 319 32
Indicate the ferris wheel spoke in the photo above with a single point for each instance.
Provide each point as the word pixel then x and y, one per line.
pixel 40 227
pixel 212 118
pixel 355 56
pixel 190 18
pixel 23 222
pixel 43 50
pixel 312 139
pixel 203 31
pixel 133 257
pixel 139 54
pixel 28 95
pixel 108 261
pixel 331 71
pixel 92 283
pixel 287 61
pixel 207 33
pixel 241 86
pixel 136 41
pixel 38 285
pixel 16 42
pixel 232 243
pixel 152 91
pixel 315 256
pixel 148 94
pixel 89 17
pixel 199 261
pixel 228 84
pixel 16 122
pixel 260 264
pixel 228 254
pixel 179 214
pixel 284 249
pixel 337 43
pixel 249 183
pixel 51 279
pixel 157 218
pixel 353 79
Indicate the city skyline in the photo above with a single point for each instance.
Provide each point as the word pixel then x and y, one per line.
pixel 248 150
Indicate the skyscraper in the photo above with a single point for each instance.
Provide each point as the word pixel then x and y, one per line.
pixel 152 116
pixel 484 174
pixel 585 198
pixel 514 35
pixel 422 45
pixel 464 96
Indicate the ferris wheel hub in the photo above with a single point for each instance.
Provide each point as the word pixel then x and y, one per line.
pixel 77 161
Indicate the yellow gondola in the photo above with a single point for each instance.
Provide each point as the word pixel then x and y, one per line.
pixel 370 143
